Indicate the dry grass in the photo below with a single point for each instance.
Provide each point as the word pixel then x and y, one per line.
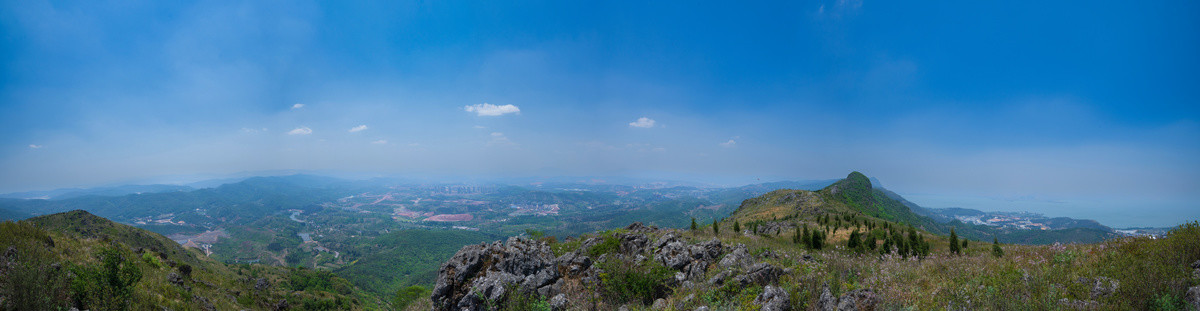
pixel 1152 274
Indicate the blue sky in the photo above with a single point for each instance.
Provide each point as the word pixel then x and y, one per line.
pixel 1092 105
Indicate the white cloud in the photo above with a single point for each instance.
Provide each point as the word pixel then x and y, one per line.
pixel 300 131
pixel 489 110
pixel 480 127
pixel 32 146
pixel 729 144
pixel 642 122
pixel 359 128
pixel 498 139
pixel 297 106
pixel 380 142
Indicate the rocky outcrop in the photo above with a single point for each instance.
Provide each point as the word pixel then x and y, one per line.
pixel 1073 304
pixel 692 260
pixel 480 275
pixel 859 299
pixel 774 299
pixel 488 272
pixel 1193 297
pixel 738 257
pixel 759 274
pixel 1103 287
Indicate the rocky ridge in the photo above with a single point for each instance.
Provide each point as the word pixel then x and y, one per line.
pixel 479 276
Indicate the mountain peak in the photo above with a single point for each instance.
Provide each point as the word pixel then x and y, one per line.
pixel 854 183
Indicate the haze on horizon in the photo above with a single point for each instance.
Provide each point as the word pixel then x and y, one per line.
pixel 1087 111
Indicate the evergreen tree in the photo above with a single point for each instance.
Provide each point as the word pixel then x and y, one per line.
pixel 887 246
pixel 693 224
pixel 871 240
pixel 964 246
pixel 953 242
pixel 806 239
pixel 996 251
pixel 716 229
pixel 901 244
pixel 797 236
pixel 852 242
pixel 736 228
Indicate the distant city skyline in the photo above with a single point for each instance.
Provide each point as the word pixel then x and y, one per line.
pixel 1091 105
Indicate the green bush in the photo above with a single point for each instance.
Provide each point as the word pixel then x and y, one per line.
pixel 518 300
pixel 624 281
pixel 31 281
pixel 406 296
pixel 107 286
pixel 609 245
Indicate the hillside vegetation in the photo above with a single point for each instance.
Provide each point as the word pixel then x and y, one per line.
pixel 845 247
pixel 75 259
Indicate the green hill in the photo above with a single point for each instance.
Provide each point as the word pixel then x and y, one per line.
pixel 76 259
pixel 854 198
pixel 845 247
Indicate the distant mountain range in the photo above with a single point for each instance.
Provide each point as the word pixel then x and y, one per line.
pixel 67 193
pixel 243 197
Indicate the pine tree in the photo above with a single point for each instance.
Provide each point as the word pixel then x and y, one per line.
pixel 964 245
pixel 797 236
pixel 953 242
pixel 852 243
pixel 736 228
pixel 693 224
pixel 887 246
pixel 996 251
pixel 870 240
pixel 716 228
pixel 806 239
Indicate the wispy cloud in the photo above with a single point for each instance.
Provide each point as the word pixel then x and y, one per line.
pixel 380 142
pixel 489 110
pixel 300 131
pixel 642 122
pixel 498 139
pixel 359 128
pixel 32 146
pixel 297 106
pixel 729 144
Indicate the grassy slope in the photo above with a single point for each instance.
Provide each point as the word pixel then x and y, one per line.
pixel 855 195
pixel 1151 273
pixel 408 257
pixel 77 237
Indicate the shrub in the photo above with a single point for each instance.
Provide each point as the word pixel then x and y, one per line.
pixel 185 270
pixel 151 260
pixel 953 242
pixel 624 281
pixel 519 300
pixel 996 250
pixel 610 244
pixel 407 295
pixel 108 286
